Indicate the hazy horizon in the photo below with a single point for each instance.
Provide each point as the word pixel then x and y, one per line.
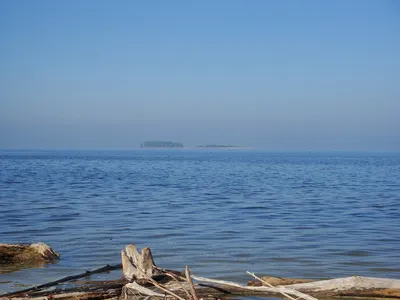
pixel 275 75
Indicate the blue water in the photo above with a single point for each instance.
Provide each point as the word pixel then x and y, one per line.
pixel 222 212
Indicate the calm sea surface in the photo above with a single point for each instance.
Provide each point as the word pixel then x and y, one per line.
pixel 221 212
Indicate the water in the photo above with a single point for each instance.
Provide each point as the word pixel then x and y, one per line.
pixel 221 212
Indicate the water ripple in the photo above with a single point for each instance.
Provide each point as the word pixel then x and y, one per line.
pixel 284 214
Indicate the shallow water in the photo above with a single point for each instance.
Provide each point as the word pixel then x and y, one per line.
pixel 222 212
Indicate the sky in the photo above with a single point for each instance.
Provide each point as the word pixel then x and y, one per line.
pixel 277 75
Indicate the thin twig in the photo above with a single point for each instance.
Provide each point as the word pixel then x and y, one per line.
pixel 190 282
pixel 106 268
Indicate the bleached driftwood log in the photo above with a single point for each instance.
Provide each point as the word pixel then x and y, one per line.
pixel 346 283
pixel 136 265
pixel 354 286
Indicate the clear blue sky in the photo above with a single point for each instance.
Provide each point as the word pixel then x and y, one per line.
pixel 281 75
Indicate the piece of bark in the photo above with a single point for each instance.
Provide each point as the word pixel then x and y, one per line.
pixel 137 265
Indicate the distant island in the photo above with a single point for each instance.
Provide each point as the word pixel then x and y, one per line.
pixel 216 146
pixel 160 144
pixel 168 144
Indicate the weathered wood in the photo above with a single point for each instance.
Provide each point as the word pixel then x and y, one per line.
pixel 214 291
pixel 350 286
pixel 274 281
pixel 134 287
pixel 163 288
pixel 138 265
pixel 155 283
pixel 190 283
pixel 323 290
pixel 178 279
pixel 346 283
pixel 287 292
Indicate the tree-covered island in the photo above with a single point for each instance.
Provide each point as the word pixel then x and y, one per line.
pixel 160 144
pixel 216 146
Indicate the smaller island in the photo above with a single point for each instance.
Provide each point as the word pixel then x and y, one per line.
pixel 160 144
pixel 216 146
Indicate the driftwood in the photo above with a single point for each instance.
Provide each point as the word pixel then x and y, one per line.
pixel 190 283
pixel 136 265
pixel 152 282
pixel 341 287
pixel 352 286
pixel 355 286
pixel 143 291
pixel 274 281
pixel 286 292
